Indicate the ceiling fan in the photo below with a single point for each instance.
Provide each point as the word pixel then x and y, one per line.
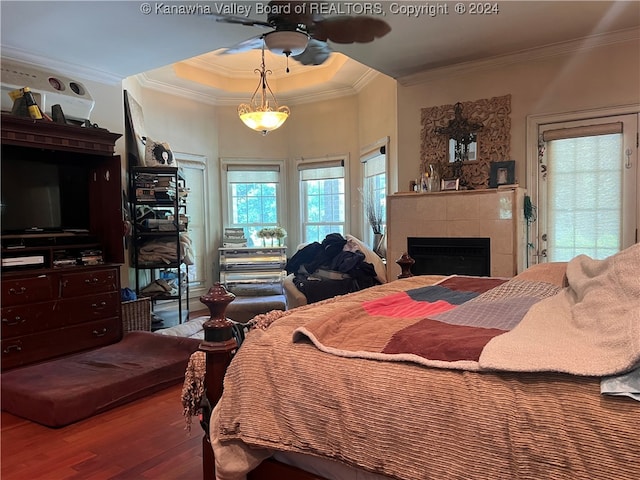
pixel 300 32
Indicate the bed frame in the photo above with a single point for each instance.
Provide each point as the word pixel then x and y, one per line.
pixel 219 346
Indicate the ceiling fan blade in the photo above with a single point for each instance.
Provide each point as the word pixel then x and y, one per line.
pixel 350 29
pixel 316 53
pixel 244 46
pixel 240 20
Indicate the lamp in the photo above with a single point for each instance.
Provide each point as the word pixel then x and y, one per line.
pixel 286 42
pixel 263 117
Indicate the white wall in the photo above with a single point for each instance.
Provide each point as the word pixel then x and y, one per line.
pixel 320 129
pixel 594 77
pixel 190 127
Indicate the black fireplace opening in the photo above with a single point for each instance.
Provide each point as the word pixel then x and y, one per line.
pixel 450 256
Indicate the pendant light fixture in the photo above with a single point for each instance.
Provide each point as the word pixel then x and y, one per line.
pixel 263 116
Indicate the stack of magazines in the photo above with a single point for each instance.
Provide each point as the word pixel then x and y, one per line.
pixel 234 237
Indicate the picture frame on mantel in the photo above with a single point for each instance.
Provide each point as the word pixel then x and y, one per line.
pixel 502 173
pixel 450 184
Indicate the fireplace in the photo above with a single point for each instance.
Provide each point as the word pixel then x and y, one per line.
pixel 493 213
pixel 449 256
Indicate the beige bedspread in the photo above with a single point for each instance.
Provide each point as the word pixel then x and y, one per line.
pixel 409 421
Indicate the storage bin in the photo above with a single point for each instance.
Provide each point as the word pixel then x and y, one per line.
pixel 136 315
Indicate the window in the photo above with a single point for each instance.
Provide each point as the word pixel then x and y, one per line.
pixel 586 184
pixel 253 198
pixel 193 168
pixel 374 193
pixel 322 192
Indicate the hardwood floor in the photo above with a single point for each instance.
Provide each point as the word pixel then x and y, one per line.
pixel 145 439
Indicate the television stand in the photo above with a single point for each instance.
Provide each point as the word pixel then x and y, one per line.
pixel 61 289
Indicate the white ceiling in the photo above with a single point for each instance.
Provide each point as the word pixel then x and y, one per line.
pixel 110 40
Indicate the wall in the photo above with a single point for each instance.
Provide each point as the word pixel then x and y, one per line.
pixel 190 127
pixel 314 130
pixel 377 118
pixel 338 126
pixel 322 130
pixel 593 77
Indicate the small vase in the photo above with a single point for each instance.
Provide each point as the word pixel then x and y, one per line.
pixel 434 178
pixel 379 245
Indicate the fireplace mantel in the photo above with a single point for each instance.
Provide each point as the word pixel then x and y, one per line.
pixel 493 213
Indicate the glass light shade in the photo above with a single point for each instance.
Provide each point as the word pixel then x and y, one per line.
pixel 263 121
pixel 286 42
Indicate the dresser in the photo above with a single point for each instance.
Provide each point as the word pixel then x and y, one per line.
pixel 56 313
pixel 253 271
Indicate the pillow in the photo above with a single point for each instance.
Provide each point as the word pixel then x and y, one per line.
pixel 550 272
pixel 371 257
pixel 158 154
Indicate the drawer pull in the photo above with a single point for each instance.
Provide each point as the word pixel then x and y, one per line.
pixel 98 305
pixel 92 280
pixel 101 333
pixel 12 348
pixel 13 291
pixel 15 321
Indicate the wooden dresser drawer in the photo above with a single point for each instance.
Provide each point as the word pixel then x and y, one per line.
pixel 89 308
pixel 36 347
pixel 18 291
pixel 87 283
pixel 32 318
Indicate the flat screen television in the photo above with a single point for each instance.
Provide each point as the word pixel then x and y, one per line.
pixel 39 196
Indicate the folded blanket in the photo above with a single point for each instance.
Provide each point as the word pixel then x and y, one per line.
pixel 592 327
pixel 627 385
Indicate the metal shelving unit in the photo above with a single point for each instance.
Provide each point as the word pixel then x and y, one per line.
pixel 159 218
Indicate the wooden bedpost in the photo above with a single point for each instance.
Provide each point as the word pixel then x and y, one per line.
pixel 219 346
pixel 405 262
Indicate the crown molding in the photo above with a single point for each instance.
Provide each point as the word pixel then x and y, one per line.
pixel 172 89
pixel 530 55
pixel 226 99
pixel 68 69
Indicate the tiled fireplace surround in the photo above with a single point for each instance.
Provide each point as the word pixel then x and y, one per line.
pixel 493 213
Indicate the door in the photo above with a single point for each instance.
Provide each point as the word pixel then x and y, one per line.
pixel 587 183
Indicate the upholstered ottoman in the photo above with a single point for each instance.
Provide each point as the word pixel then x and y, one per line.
pixel 243 309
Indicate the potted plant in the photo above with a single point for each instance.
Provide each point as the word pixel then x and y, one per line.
pixel 272 233
pixel 373 212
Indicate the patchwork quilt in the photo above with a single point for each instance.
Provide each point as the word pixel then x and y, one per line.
pixel 591 327
pixel 443 325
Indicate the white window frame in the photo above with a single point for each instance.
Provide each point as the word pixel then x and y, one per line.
pixel 535 123
pixel 381 147
pixel 310 163
pixel 198 286
pixel 259 164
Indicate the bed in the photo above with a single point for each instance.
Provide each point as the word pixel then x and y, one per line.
pixel 434 377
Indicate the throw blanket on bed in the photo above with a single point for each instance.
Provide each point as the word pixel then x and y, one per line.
pixel 592 327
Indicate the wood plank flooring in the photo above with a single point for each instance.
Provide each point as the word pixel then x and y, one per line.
pixel 145 439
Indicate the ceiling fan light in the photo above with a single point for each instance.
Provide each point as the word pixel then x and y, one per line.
pixel 286 42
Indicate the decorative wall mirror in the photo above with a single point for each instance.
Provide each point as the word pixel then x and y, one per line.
pixel 491 144
pixel 455 150
pixel 463 139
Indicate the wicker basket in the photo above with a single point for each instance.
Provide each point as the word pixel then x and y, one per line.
pixel 136 315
